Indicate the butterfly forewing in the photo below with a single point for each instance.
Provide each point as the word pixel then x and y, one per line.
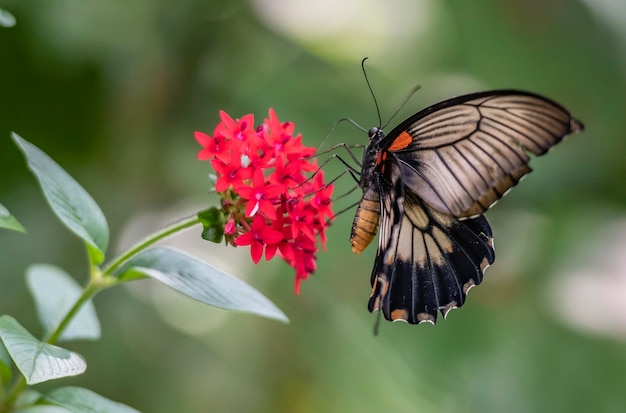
pixel 467 152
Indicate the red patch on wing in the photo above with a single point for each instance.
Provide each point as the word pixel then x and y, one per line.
pixel 382 157
pixel 402 141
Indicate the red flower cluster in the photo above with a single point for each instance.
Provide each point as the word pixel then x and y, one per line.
pixel 270 199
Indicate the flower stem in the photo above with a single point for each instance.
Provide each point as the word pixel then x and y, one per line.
pixel 19 386
pixel 92 288
pixel 151 239
pixel 99 280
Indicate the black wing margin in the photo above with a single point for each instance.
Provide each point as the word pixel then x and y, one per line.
pixel 426 261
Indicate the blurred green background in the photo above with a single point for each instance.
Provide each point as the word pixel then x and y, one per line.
pixel 113 91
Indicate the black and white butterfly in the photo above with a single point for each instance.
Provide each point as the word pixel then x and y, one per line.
pixel 428 182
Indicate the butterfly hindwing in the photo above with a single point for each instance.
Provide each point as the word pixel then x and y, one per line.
pixel 465 153
pixel 426 261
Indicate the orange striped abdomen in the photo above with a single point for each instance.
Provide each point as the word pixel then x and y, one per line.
pixel 366 221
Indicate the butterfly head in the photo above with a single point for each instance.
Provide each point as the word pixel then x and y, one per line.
pixel 373 132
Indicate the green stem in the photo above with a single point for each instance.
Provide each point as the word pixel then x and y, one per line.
pixel 153 238
pixel 95 284
pixel 92 288
pixel 99 280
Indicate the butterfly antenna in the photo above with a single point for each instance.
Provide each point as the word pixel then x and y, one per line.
pixel 409 96
pixel 380 121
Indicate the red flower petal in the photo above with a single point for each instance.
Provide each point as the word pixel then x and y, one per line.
pixel 202 138
pixel 269 171
pixel 256 252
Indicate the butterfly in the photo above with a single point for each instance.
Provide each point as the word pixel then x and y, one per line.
pixel 426 186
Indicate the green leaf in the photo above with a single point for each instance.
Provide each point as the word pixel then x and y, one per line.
pixel 44 409
pixel 212 220
pixel 8 221
pixel 198 280
pixel 213 233
pixel 5 366
pixel 6 18
pixel 36 360
pixel 79 400
pixel 55 292
pixel 70 202
pixel 29 397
